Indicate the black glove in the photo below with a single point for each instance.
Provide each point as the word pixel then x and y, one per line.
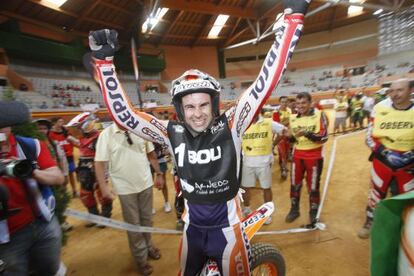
pixel 103 43
pixel 296 6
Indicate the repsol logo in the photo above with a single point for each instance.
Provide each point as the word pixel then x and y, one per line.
pixel 194 85
pixel 270 60
pixel 153 135
pixel 158 125
pixel 118 104
pixel 396 125
pixel 201 157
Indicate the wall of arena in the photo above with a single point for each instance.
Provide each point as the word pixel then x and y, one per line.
pixel 356 53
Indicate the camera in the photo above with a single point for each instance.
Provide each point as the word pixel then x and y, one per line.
pixel 16 168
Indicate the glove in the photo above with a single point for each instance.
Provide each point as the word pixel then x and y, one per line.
pixel 296 6
pixel 396 159
pixel 103 43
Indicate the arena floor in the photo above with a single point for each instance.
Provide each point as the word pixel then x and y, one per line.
pixel 335 251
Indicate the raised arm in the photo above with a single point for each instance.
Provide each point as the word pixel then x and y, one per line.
pixel 274 65
pixel 103 44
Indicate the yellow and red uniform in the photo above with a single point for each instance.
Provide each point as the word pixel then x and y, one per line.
pixel 307 154
pixel 283 147
pixel 391 130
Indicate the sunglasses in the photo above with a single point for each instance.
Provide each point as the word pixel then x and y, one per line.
pixel 129 140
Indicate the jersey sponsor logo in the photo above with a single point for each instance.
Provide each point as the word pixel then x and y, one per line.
pixel 118 103
pixel 212 185
pixel 153 135
pixel 178 128
pixel 194 85
pixel 270 60
pixel 255 135
pixel 242 117
pixel 305 128
pixel 217 127
pixel 201 157
pixel 230 114
pixel 186 187
pixel 158 125
pixel 396 125
pixel 264 75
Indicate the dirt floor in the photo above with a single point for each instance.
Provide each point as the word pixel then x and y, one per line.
pixel 335 251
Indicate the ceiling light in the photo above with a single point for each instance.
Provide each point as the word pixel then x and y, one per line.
pixel 355 10
pixel 218 25
pixel 378 11
pixel 57 3
pixel 153 20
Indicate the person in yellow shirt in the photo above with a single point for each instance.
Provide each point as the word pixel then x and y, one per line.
pixel 357 114
pixel 308 130
pixel 340 107
pixel 282 116
pixel 257 148
pixel 391 139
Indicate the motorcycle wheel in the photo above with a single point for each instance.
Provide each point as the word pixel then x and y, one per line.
pixel 267 260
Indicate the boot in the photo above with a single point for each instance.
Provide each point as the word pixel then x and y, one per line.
pixel 365 231
pixel 294 211
pixel 313 212
pixel 284 174
pixel 180 225
pixel 107 210
pixel 94 211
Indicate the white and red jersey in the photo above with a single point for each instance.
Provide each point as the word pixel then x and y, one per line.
pixel 208 164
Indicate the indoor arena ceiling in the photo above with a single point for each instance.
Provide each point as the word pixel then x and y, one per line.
pixel 187 22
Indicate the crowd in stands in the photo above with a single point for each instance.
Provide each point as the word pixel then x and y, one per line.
pixel 65 93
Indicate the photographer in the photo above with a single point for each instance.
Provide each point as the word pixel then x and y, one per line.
pixel 32 234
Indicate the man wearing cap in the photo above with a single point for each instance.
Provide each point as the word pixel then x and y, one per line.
pixel 29 232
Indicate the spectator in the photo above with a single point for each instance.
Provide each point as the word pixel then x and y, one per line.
pixel 367 107
pixel 35 235
pixel 162 161
pixel 357 115
pixel 258 158
pixel 127 156
pixel 86 124
pixel 340 107
pixel 44 126
pixel 59 134
pixel 23 87
pixel 43 105
pixel 282 116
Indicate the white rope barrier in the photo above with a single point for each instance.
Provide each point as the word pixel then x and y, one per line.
pixel 142 229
